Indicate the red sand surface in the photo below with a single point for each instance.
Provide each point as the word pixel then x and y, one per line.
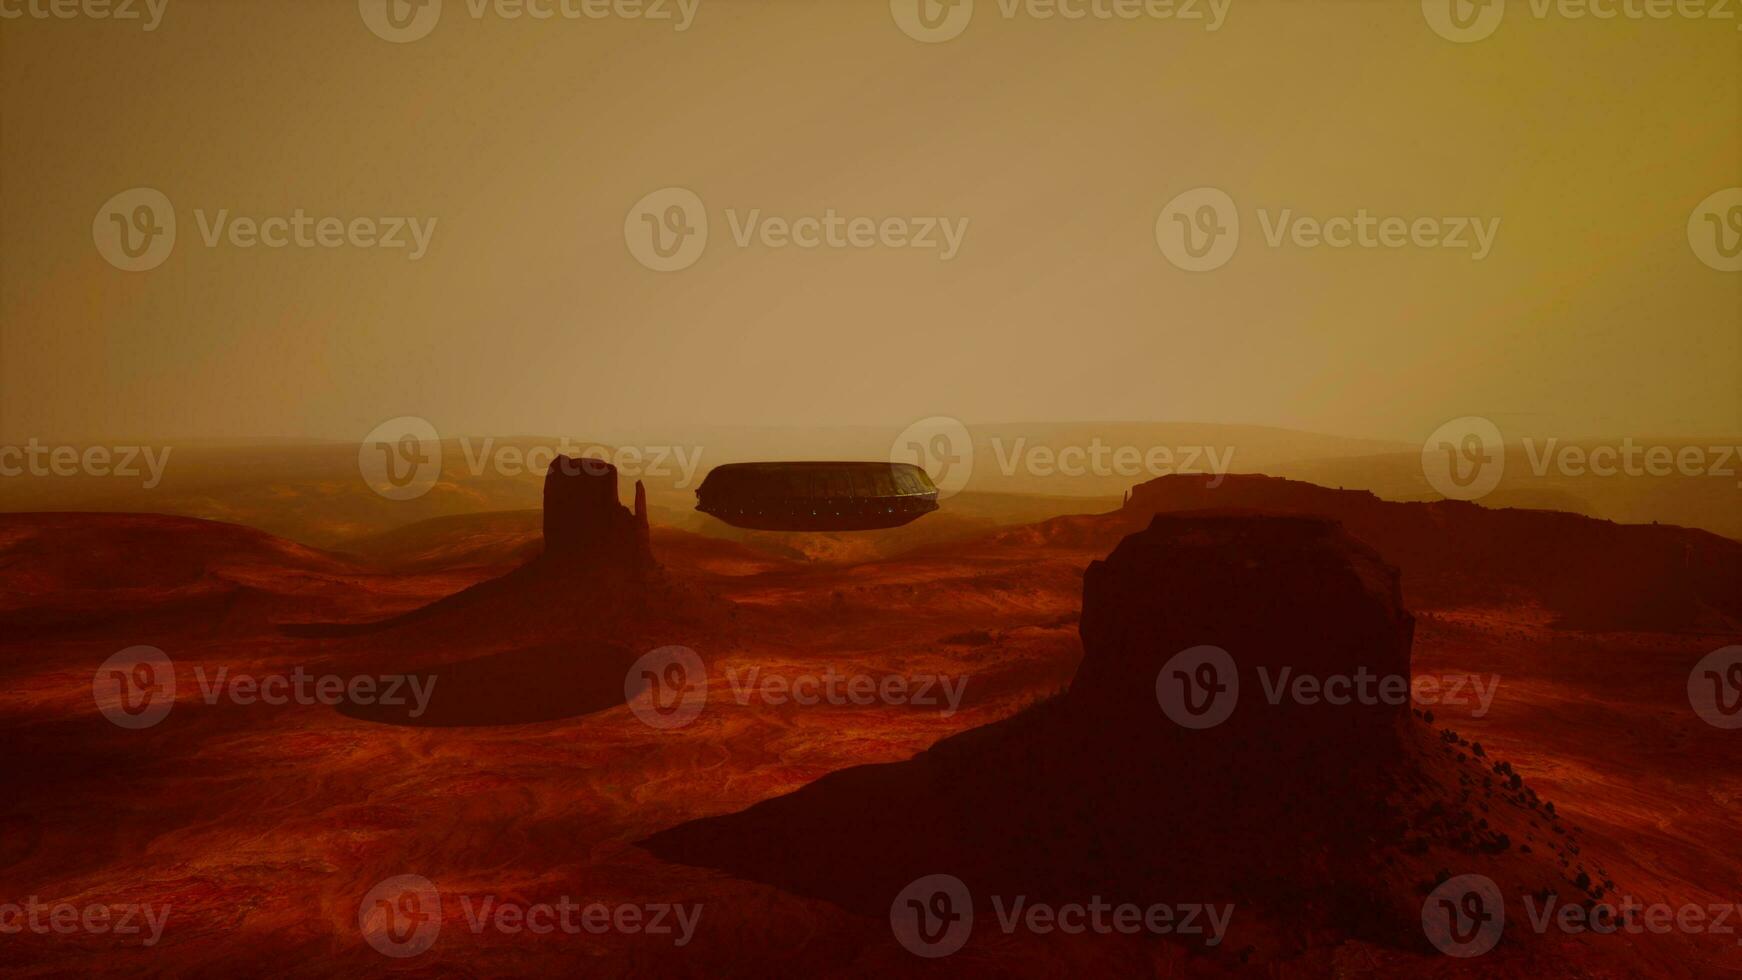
pixel 262 827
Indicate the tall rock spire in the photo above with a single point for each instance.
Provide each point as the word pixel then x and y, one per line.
pixel 641 527
pixel 584 524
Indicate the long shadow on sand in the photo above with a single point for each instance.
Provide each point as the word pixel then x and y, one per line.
pixel 542 683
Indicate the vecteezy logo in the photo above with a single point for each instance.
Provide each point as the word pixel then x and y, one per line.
pixel 933 916
pixel 1198 687
pixel 401 916
pixel 135 688
pixel 932 21
pixel 667 687
pixel 1463 21
pixel 400 21
pixel 942 447
pixel 667 230
pixel 1464 916
pixel 1464 459
pixel 1199 229
pixel 401 458
pixel 1715 230
pixel 135 229
pixel 1715 688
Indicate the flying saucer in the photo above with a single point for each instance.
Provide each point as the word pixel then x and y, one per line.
pixel 817 496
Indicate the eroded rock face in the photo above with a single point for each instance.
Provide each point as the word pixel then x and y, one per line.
pixel 1306 616
pixel 1318 821
pixel 585 525
pixel 1592 574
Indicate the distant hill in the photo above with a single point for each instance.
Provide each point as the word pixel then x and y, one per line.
pixel 1588 573
pixel 1713 502
pixel 314 493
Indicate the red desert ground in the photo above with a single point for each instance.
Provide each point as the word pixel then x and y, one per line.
pixel 479 739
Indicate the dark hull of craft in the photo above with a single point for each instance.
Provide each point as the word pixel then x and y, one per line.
pixel 856 515
pixel 817 496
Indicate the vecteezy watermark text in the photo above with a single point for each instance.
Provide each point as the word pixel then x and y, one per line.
pixel 838 689
pixel 404 21
pixel 1465 458
pixel 1465 916
pixel 631 462
pixel 37 459
pixel 1100 459
pixel 667 688
pixel 1715 688
pixel 668 229
pixel 1468 21
pixel 401 917
pixel 136 688
pixel 301 230
pixel 571 918
pixel 304 688
pixel 944 448
pixel 1199 687
pixel 934 917
pixel 98 918
pixel 135 230
pixel 1715 230
pixel 936 21
pixel 1199 230
pixel 148 13
pixel 401 459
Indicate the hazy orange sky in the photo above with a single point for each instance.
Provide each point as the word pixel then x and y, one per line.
pixel 529 142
